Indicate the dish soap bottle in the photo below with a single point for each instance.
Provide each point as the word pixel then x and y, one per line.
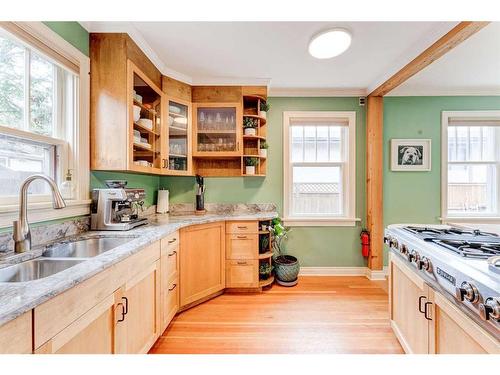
pixel 67 188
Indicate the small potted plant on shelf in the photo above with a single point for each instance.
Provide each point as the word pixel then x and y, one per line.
pixel 264 244
pixel 286 266
pixel 263 149
pixel 264 107
pixel 265 270
pixel 249 126
pixel 250 164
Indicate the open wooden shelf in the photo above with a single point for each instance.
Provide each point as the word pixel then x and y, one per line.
pixel 144 129
pixel 144 107
pixel 253 175
pixel 266 255
pixel 255 156
pixel 268 281
pixel 143 148
pixel 253 137
pixel 263 120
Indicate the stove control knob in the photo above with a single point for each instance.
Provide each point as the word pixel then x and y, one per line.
pixel 413 256
pixel 424 264
pixel 403 249
pixel 468 292
pixel 490 309
pixel 394 243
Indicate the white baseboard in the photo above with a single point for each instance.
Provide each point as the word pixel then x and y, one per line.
pixel 344 271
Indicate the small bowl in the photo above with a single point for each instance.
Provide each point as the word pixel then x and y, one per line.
pixel 137 113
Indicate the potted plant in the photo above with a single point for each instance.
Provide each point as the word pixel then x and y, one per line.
pixel 264 244
pixel 286 266
pixel 265 270
pixel 264 107
pixel 249 126
pixel 250 164
pixel 263 149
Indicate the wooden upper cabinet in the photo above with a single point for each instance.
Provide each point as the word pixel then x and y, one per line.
pixel 179 139
pixel 119 142
pixel 217 129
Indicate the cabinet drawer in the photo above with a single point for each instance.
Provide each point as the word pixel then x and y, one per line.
pixel 15 336
pixel 242 246
pixel 242 227
pixel 242 273
pixel 171 241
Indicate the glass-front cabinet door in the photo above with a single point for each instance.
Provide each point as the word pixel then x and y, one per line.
pixel 179 138
pixel 217 129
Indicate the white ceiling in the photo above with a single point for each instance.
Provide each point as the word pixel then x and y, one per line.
pixel 471 68
pixel 275 53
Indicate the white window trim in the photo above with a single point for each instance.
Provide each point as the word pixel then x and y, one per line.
pixel 348 219
pixel 80 205
pixel 445 120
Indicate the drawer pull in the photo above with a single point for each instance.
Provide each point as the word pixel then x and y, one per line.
pixel 172 241
pixel 241 263
pixel 173 287
pixel 242 237
pixel 172 253
pixel 123 312
pixel 126 305
pixel 242 227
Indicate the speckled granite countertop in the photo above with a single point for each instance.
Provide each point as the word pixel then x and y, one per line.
pixel 17 298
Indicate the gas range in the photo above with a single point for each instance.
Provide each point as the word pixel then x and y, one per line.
pixel 463 263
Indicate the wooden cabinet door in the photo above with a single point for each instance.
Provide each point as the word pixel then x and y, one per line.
pixel 452 332
pixel 407 291
pixel 242 246
pixel 169 301
pixel 242 273
pixel 92 333
pixel 16 335
pixel 179 130
pixel 202 258
pixel 141 302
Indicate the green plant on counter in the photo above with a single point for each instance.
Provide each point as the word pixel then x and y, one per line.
pixel 264 145
pixel 264 106
pixel 251 162
pixel 249 122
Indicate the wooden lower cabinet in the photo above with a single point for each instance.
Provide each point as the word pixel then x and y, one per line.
pixel 141 319
pixel 407 291
pixel 92 333
pixel 202 261
pixel 16 335
pixel 426 322
pixel 242 273
pixel 169 288
pixel 452 332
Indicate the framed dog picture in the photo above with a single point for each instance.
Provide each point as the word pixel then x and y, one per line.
pixel 410 154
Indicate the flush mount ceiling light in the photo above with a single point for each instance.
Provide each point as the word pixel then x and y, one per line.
pixel 330 43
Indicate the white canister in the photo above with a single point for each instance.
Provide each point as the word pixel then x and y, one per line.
pixel 162 202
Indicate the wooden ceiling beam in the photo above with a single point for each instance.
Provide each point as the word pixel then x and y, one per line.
pixel 447 42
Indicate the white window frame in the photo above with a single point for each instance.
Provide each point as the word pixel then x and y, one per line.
pixel 77 149
pixel 349 173
pixel 446 218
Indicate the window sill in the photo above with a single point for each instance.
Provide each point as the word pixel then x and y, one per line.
pixel 321 222
pixel 43 211
pixel 471 219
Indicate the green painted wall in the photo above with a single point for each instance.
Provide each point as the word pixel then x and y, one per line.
pixel 314 246
pixel 415 197
pixel 73 32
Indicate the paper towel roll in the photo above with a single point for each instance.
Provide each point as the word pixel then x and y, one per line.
pixel 162 203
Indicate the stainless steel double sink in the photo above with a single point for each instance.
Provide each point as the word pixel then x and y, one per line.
pixel 59 257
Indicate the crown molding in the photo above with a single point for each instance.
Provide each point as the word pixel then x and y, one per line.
pixel 454 91
pixel 315 92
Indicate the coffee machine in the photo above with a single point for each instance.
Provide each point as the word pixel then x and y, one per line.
pixel 116 209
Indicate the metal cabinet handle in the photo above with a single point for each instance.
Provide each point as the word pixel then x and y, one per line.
pixel 126 305
pixel 420 304
pixel 426 309
pixel 173 287
pixel 241 263
pixel 242 227
pixel 172 241
pixel 172 253
pixel 241 237
pixel 123 312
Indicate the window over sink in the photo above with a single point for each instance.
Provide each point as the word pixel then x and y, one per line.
pixel 319 168
pixel 43 119
pixel 471 165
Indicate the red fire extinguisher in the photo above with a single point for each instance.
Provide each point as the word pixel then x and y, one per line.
pixel 365 242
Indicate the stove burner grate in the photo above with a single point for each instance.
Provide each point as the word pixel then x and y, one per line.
pixel 477 250
pixel 429 231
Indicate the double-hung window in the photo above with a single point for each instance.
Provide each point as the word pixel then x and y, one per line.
pixel 43 119
pixel 319 168
pixel 471 164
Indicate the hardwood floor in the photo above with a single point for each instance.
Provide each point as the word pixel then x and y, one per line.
pixel 319 315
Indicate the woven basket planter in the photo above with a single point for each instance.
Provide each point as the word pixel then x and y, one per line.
pixel 286 267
